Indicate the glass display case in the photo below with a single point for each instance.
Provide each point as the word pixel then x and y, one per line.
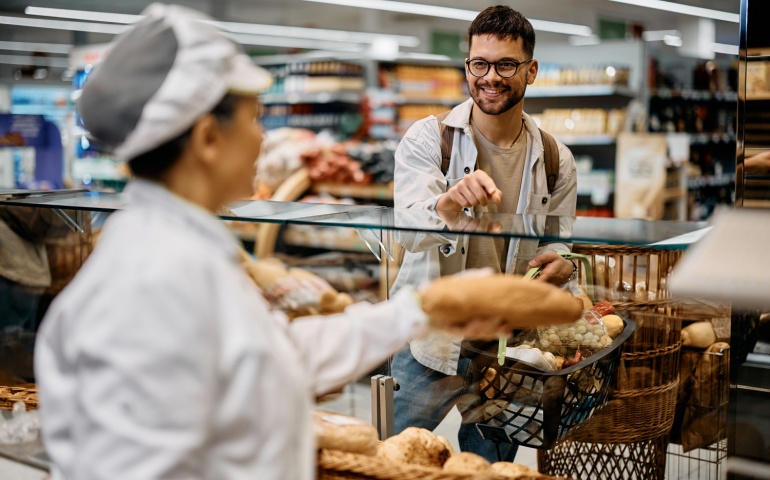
pixel 364 253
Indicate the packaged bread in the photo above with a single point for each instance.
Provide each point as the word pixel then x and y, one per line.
pixel 452 300
pixel 343 432
pixel 415 446
pixel 466 462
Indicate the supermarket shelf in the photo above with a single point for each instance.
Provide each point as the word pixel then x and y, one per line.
pixel 347 243
pixel 696 95
pixel 450 102
pixel 573 140
pixel 579 91
pixel 711 181
pixel 379 192
pixel 707 138
pixel 320 97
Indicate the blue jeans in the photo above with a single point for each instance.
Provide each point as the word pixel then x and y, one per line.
pixel 426 396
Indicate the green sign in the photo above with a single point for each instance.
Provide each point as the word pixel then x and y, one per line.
pixel 446 43
pixel 612 29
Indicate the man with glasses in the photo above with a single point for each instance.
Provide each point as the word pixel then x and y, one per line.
pixel 496 165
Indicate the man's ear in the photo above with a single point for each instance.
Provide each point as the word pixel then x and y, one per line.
pixel 532 72
pixel 205 139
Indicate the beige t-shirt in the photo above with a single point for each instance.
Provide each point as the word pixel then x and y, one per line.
pixel 506 168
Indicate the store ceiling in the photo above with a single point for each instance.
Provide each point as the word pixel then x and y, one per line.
pixel 308 14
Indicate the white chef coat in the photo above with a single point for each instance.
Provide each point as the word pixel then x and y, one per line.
pixel 161 359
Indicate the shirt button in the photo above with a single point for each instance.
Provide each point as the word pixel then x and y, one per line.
pixel 467 170
pixel 446 249
pixel 462 250
pixel 467 210
pixel 545 200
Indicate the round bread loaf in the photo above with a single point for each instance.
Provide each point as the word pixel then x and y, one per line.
pixel 466 462
pixel 514 471
pixel 342 432
pixel 414 446
pixel 450 301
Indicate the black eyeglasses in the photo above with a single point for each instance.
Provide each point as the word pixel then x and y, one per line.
pixel 505 68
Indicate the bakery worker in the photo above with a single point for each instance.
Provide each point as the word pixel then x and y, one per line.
pixel 496 166
pixel 161 359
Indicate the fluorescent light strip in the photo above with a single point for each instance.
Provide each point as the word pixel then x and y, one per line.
pixel 725 48
pixel 453 13
pixel 36 47
pixel 115 29
pixel 37 61
pixel 658 35
pixel 234 27
pixel 63 25
pixel 269 41
pixel 684 9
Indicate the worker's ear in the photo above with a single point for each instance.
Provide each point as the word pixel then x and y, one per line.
pixel 206 139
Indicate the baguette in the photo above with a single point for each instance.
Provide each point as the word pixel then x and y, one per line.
pixel 451 301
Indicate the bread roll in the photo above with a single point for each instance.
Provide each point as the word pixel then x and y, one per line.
pixel 514 471
pixel 342 432
pixel 414 446
pixel 698 335
pixel 451 301
pixel 613 324
pixel 445 441
pixel 466 462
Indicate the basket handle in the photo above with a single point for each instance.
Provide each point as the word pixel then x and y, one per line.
pixel 502 342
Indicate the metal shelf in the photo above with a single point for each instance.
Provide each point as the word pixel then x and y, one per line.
pixel 320 97
pixel 579 91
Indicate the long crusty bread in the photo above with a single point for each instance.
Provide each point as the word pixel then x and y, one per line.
pixel 450 301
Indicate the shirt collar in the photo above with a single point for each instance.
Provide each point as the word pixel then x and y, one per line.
pixel 152 195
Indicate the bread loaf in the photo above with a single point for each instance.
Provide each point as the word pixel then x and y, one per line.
pixel 613 324
pixel 342 432
pixel 466 462
pixel 450 301
pixel 698 335
pixel 415 446
pixel 514 471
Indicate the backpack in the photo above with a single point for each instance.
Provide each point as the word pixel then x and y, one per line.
pixel 550 151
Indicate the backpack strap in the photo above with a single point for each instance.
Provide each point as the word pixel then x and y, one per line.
pixel 447 138
pixel 551 157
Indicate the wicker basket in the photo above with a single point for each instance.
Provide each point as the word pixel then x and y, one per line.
pixel 26 393
pixel 66 255
pixel 629 274
pixel 338 465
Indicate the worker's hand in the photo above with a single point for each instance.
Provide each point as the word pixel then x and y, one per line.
pixel 462 222
pixel 556 270
pixel 476 188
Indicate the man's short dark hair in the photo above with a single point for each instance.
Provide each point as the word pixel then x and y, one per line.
pixel 505 23
pixel 156 162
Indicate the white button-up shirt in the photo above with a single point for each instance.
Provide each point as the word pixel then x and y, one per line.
pixel 161 359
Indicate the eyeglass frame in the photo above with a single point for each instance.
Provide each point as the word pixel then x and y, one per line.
pixel 489 66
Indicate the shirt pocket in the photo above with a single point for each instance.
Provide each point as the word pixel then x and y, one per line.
pixel 538 204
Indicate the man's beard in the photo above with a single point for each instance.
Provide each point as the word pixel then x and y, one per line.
pixel 497 108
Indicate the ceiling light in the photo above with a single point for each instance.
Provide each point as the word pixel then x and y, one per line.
pixel 672 40
pixel 453 13
pixel 684 9
pixel 63 25
pixel 36 47
pixel 236 27
pixel 82 15
pixel 658 35
pixel 725 48
pixel 269 41
pixel 579 41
